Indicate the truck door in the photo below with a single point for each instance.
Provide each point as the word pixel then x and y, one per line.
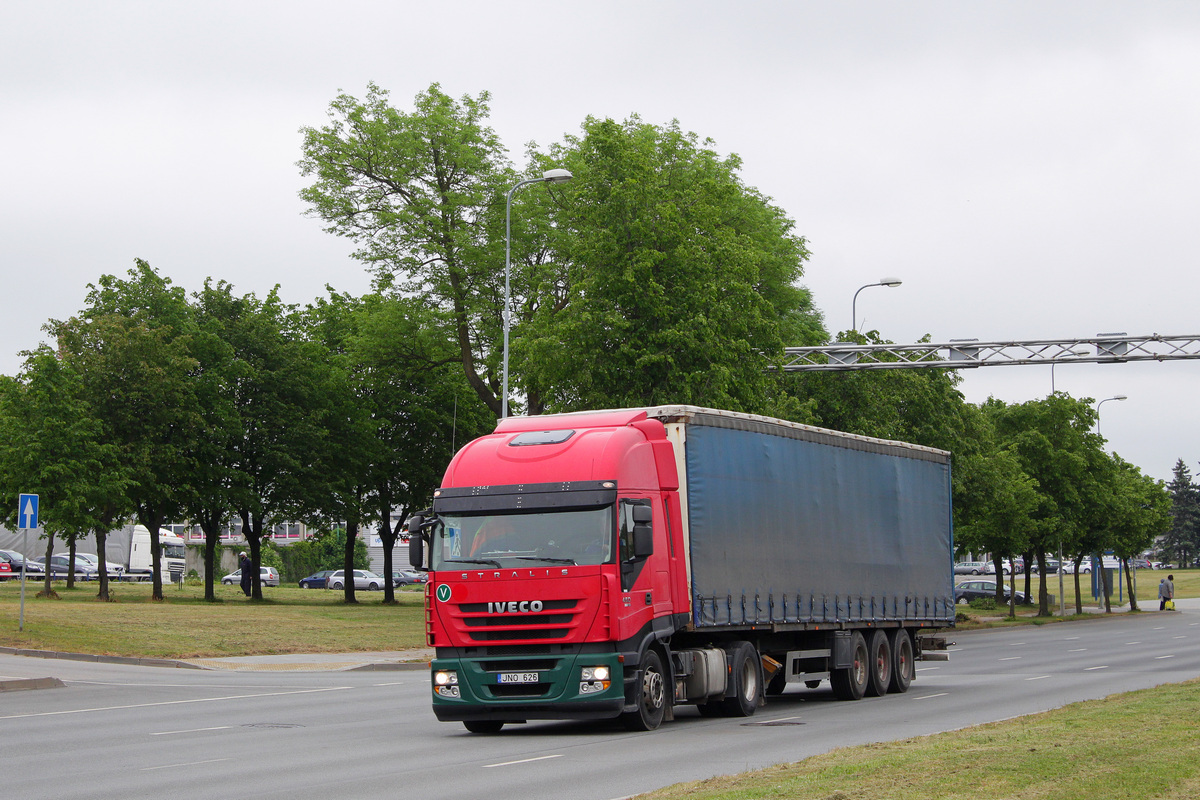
pixel 645 579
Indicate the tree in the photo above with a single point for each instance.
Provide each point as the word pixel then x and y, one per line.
pixel 420 192
pixel 1053 442
pixel 1182 539
pixel 52 445
pixel 411 405
pixel 1139 512
pixel 672 281
pixel 130 345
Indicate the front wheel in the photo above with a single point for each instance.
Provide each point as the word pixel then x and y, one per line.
pixel 746 679
pixel 335 586
pixel 650 695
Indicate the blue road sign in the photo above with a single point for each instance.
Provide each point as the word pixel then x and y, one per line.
pixel 27 511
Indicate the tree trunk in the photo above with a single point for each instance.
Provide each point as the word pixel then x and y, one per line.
pixel 210 523
pixel 1105 588
pixel 1133 606
pixel 348 561
pixel 153 520
pixel 101 537
pixel 71 564
pixel 252 528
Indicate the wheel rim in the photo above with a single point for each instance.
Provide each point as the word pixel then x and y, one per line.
pixel 859 671
pixel 652 689
pixel 749 680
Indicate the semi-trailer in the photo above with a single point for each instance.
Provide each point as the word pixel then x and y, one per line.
pixel 625 563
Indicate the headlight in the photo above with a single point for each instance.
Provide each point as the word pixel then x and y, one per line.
pixel 446 677
pixel 595 673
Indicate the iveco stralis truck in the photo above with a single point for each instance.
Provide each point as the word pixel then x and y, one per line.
pixel 625 563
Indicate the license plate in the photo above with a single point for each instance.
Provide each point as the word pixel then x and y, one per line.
pixel 518 677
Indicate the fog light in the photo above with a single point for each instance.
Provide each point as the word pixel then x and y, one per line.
pixel 447 691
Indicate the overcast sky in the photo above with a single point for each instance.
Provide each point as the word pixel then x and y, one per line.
pixel 1029 169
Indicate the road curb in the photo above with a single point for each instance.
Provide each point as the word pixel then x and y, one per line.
pixel 91 657
pixel 19 685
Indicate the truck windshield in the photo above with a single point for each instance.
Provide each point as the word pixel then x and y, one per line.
pixel 507 540
pixel 173 550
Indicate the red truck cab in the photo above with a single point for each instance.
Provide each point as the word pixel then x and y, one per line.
pixel 545 589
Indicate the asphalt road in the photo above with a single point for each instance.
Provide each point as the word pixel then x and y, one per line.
pixel 146 732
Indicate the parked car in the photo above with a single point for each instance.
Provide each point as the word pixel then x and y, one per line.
pixel 1140 563
pixel 970 568
pixel 59 566
pixel 267 576
pixel 363 579
pixel 15 560
pixel 1006 565
pixel 408 577
pixel 316 580
pixel 967 591
pixel 113 570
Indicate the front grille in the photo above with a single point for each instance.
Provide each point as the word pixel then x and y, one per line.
pixel 540 665
pixel 519 650
pixel 491 622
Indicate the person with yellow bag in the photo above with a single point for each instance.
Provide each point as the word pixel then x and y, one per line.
pixel 1166 594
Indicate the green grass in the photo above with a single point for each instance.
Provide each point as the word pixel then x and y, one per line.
pixel 183 625
pixel 1138 746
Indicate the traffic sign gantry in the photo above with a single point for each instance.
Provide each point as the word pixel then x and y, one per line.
pixel 27 511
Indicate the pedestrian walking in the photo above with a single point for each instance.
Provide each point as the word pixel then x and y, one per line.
pixel 247 573
pixel 1166 593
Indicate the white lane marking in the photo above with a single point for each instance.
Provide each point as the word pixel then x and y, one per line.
pixel 186 764
pixel 1038 678
pixel 395 683
pixel 172 703
pixel 1015 644
pixel 522 761
pixel 193 730
pixel 1077 650
pixel 1129 643
pixel 1156 658
pixel 927 696
pixel 1006 658
pixel 926 669
pixel 1158 628
pixel 1089 669
pixel 1178 637
pixel 1070 638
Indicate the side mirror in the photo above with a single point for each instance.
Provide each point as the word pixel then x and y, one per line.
pixel 643 533
pixel 416 542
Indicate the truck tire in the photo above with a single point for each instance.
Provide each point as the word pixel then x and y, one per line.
pixel 650 695
pixel 903 666
pixel 850 683
pixel 745 677
pixel 483 725
pixel 879 650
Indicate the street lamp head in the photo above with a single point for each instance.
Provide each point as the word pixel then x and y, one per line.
pixel 893 282
pixel 557 176
pixel 1120 397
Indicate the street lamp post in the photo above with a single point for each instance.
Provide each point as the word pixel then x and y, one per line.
pixel 892 282
pixel 1081 351
pixel 1102 402
pixel 550 176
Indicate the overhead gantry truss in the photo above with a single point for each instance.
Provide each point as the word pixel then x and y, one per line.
pixel 970 353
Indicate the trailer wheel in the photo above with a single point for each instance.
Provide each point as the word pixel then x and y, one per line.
pixel 650 695
pixel 903 667
pixel 850 683
pixel 483 725
pixel 880 652
pixel 746 680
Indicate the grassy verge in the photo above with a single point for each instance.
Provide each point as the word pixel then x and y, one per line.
pixel 183 625
pixel 1134 746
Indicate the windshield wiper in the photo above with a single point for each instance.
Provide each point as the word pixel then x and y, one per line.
pixel 491 562
pixel 570 561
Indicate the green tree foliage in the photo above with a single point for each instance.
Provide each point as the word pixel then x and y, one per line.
pixel 420 192
pixel 131 348
pixel 52 445
pixel 655 276
pixel 1139 510
pixel 678 281
pixel 1181 540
